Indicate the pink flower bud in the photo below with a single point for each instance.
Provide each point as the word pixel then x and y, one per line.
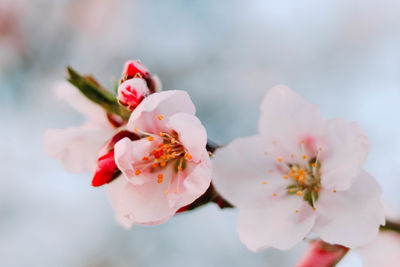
pixel 135 69
pixel 322 254
pixel 132 92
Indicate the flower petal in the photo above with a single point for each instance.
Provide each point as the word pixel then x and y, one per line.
pixel 128 154
pixel 76 148
pixel 194 180
pixel 146 116
pixel 347 150
pixel 350 218
pixel 240 171
pixel 191 132
pixel 278 225
pixel 383 251
pixel 286 118
pixel 95 114
pixel 139 204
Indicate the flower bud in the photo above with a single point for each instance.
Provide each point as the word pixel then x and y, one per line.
pixel 106 169
pixel 132 92
pixel 135 69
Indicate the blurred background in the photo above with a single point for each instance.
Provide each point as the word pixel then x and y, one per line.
pixel 342 55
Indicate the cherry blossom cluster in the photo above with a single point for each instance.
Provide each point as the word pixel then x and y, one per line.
pixel 300 177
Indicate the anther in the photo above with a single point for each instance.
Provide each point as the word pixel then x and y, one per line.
pixel 145 158
pixel 166 191
pixel 160 117
pixel 299 193
pixel 297 211
pixel 135 129
pixel 274 194
pixel 304 156
pixel 137 172
pixel 150 138
pixel 314 165
pixel 279 159
pixel 155 165
pixel 264 182
pixel 163 163
pixel 176 191
pixel 285 177
pixel 334 190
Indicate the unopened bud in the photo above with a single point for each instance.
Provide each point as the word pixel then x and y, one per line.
pixel 132 92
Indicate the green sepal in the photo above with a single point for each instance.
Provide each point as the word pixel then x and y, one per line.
pixel 90 88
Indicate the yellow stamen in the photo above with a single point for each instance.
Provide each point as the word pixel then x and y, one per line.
pixel 150 138
pixel 334 191
pixel 299 193
pixel 314 165
pixel 264 182
pixel 173 140
pixel 163 163
pixel 297 211
pixel 160 117
pixel 279 159
pixel 285 177
pixel 179 167
pixel 135 129
pixel 162 134
pixel 274 194
pixel 304 156
pixel 137 172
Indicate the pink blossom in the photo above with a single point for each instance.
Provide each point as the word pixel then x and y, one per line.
pixel 301 174
pixel 167 168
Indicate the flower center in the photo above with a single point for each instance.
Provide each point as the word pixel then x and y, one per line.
pixel 305 176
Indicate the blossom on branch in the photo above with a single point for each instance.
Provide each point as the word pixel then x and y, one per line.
pixel 167 168
pixel 301 174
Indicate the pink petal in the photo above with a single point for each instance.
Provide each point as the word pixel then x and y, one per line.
pixel 352 217
pixel 93 112
pixel 145 204
pixel 278 225
pixel 191 132
pixel 240 170
pixel 129 153
pixel 76 148
pixel 194 180
pixel 343 158
pixel 286 118
pixel 383 251
pixel 146 116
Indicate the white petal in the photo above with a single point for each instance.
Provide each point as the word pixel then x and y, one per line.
pixel 383 251
pixel 352 217
pixel 239 170
pixel 95 114
pixel 145 204
pixel 166 104
pixel 287 118
pixel 76 148
pixel 191 132
pixel 194 180
pixel 343 158
pixel 278 225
